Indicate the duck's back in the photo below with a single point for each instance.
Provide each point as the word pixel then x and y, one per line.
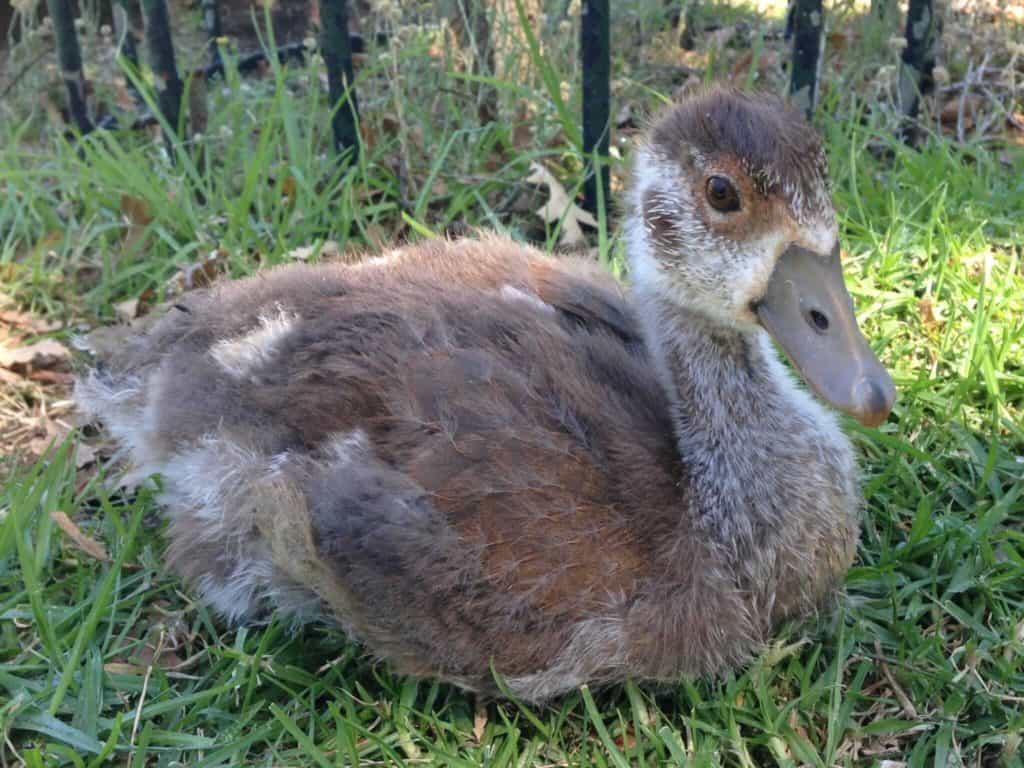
pixel 463 449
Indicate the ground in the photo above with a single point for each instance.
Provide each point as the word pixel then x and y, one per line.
pixel 104 656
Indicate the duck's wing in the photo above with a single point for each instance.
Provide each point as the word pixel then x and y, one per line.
pixel 586 295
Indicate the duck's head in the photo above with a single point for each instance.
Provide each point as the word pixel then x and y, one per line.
pixel 734 220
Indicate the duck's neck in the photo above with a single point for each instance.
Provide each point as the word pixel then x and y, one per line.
pixel 748 437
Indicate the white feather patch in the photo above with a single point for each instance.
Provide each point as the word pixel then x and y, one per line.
pixel 241 356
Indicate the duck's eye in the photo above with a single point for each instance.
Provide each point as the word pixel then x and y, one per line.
pixel 722 194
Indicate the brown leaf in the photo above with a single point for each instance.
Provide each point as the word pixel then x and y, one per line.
pixel 85 543
pixel 9 378
pixel 367 134
pixel 929 312
pixel 168 659
pixel 741 67
pixel 200 274
pixel 721 37
pixel 44 376
pixel 390 125
pixel 377 237
pixel 479 721
pixel 28 322
pixel 626 740
pixel 288 187
pixel 43 354
pixel 136 211
pixel 522 131
pixel 439 188
pixel 84 456
pixel 126 311
pixel 560 207
pixel 132 309
pixel 837 41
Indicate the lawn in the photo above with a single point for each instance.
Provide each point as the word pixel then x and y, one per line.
pixel 105 657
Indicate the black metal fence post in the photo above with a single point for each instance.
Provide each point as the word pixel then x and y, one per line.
pixel 917 60
pixel 211 22
pixel 69 56
pixel 596 54
pixel 337 53
pixel 127 46
pixel 806 22
pixel 161 50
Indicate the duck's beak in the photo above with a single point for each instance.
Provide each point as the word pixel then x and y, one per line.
pixel 809 312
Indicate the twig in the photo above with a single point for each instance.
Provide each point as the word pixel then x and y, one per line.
pixel 908 707
pixel 971 78
pixel 142 696
pixel 10 745
pixel 963 98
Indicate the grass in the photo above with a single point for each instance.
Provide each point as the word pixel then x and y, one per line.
pixel 923 661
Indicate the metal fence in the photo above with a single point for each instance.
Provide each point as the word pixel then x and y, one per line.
pixel 804 27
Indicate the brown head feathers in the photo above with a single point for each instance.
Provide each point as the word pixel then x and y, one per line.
pixel 770 139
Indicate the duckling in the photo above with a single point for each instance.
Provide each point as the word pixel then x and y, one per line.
pixel 474 456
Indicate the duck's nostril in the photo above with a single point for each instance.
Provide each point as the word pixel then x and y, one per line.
pixel 818 320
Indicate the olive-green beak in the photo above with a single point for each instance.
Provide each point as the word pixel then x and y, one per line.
pixel 809 312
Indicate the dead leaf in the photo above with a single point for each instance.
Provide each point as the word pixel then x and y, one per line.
pixel 377 237
pixel 838 41
pixel 44 376
pixel 84 455
pixel 522 126
pixel 794 723
pixel 200 274
pixel 560 207
pixel 329 250
pixel 132 309
pixel 950 115
pixel 288 187
pixel 302 253
pixel 741 67
pixel 28 322
pixel 626 741
pixel 1015 133
pixel 929 313
pixel 721 37
pixel 479 721
pixel 126 311
pixel 135 211
pixel 85 543
pixel 439 188
pixel 43 354
pixel 167 658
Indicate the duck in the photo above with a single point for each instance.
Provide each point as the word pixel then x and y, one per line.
pixel 509 470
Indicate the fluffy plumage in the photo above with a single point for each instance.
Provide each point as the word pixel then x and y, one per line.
pixel 469 453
